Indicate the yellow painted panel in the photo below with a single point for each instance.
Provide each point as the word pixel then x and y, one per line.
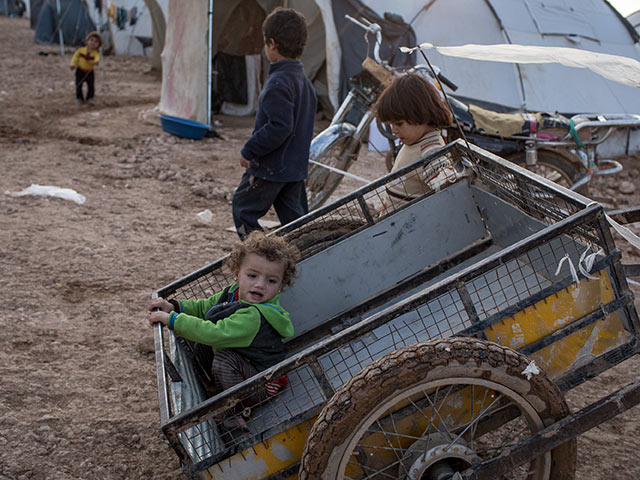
pixel 557 311
pixel 265 458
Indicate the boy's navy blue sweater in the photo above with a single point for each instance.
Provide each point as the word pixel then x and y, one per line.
pixel 278 150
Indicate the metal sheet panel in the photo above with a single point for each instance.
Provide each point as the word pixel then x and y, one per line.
pixel 382 255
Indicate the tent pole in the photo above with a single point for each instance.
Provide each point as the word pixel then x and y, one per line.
pixel 60 28
pixel 209 59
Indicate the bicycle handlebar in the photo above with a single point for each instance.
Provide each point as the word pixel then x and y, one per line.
pixel 375 28
pixel 447 82
pixel 371 28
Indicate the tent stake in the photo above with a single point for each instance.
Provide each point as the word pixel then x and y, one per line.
pixel 209 59
pixel 60 28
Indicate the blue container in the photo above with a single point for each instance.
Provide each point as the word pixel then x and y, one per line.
pixel 182 127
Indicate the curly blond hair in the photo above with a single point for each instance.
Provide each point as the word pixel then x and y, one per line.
pixel 274 249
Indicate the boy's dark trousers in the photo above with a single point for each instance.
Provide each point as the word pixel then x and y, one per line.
pixel 254 196
pixel 84 77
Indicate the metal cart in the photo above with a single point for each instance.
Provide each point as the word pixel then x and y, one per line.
pixel 432 341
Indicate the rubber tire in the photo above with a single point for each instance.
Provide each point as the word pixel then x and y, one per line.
pixel 320 183
pixel 568 170
pixel 311 239
pixel 427 362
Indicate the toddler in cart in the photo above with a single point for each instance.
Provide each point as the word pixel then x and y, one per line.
pixel 417 115
pixel 238 332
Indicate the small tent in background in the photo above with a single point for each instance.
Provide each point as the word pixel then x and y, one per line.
pixel 131 24
pixel 73 20
pixel 128 27
pixel 15 8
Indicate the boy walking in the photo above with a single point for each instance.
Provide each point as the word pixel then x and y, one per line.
pixel 84 60
pixel 276 157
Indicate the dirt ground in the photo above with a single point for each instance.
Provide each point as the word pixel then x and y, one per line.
pixel 78 394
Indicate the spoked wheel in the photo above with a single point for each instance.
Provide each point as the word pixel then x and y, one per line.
pixel 554 167
pixel 390 155
pixel 322 182
pixel 428 410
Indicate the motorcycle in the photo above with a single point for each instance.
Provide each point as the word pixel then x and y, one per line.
pixel 558 148
pixel 561 149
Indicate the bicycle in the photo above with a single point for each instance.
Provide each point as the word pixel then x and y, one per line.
pixel 335 149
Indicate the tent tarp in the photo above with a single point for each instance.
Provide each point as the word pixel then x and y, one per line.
pixel 585 24
pixel 336 48
pixel 334 52
pixel 184 61
pixel 74 21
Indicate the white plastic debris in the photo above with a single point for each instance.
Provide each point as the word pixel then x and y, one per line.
pixel 49 191
pixel 532 369
pixel 205 216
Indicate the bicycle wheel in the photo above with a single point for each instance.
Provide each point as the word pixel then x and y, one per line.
pixel 322 182
pixel 390 155
pixel 431 409
pixel 554 167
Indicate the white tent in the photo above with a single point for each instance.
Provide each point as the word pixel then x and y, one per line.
pixel 185 57
pixel 585 24
pixel 329 57
pixel 634 20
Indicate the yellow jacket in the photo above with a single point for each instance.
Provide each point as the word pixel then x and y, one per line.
pixel 85 60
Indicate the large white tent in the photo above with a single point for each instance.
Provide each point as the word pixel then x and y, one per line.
pixel 634 20
pixel 585 24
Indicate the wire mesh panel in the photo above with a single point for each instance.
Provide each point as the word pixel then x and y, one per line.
pixel 441 317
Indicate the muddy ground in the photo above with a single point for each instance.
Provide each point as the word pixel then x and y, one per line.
pixel 78 394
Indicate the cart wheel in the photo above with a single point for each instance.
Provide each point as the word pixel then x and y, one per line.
pixel 321 182
pixel 554 167
pixel 428 410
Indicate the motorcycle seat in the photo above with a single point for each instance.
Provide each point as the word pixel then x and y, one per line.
pixel 510 124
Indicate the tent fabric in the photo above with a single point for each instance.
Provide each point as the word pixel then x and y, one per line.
pixel 187 46
pixel 585 24
pixel 618 69
pixel 354 46
pixel 634 20
pixel 12 7
pixel 34 12
pixel 74 21
pixel 229 84
pixel 157 33
pixel 249 106
pixel 336 47
pixel 237 27
pixel 184 61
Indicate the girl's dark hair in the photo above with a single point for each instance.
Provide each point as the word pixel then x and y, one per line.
pixel 411 98
pixel 274 249
pixel 288 29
